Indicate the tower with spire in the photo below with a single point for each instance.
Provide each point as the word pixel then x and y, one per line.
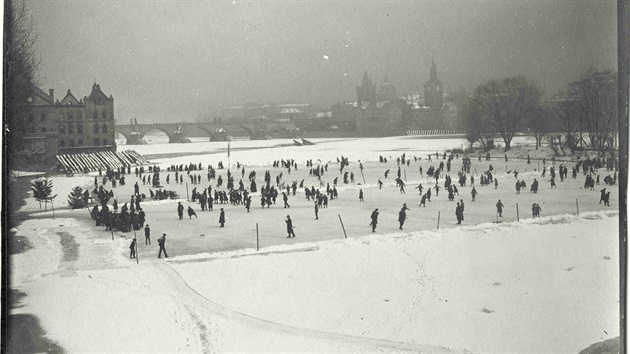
pixel 366 93
pixel 433 89
pixel 387 91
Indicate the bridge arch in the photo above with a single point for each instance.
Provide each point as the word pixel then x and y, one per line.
pixel 162 129
pixel 122 133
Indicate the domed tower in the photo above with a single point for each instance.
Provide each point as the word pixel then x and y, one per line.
pixel 433 93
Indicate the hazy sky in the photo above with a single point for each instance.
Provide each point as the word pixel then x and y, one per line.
pixel 174 60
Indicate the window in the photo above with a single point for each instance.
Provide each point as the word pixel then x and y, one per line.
pixel 95 128
pixel 43 130
pixel 62 129
pixel 80 128
pixel 104 130
pixel 70 128
pixel 61 115
pixel 80 115
pixel 104 141
pixel 94 115
pixel 42 118
pixel 104 115
pixel 95 141
pixel 62 143
pixel 71 142
pixel 80 142
pixel 70 116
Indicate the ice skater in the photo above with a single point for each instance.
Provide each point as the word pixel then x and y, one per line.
pixel 147 235
pixel 500 208
pixel 191 212
pixel 402 216
pixel 289 227
pixel 180 210
pixel 162 244
pixel 132 249
pixel 222 218
pixel 374 218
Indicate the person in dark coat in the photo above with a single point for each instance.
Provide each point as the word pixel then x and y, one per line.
pixel 402 216
pixel 500 208
pixel 161 243
pixel 459 213
pixel 374 218
pixel 180 210
pixel 289 227
pixel 361 195
pixel 316 211
pixel 191 212
pixel 132 248
pixel 147 235
pixel 222 218
pixel 285 198
pixel 474 193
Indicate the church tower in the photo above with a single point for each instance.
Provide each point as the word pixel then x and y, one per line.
pixel 366 93
pixel 433 93
pixel 387 91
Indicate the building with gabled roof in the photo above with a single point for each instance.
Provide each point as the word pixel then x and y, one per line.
pixel 71 125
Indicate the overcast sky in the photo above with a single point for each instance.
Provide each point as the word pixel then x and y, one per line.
pixel 178 60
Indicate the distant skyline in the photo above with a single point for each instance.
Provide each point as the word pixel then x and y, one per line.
pixel 179 60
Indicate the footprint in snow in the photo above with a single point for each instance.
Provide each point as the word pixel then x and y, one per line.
pixel 487 310
pixel 570 269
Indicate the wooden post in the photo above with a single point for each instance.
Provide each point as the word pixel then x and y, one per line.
pixel 517 218
pixel 53 208
pixel 110 224
pixel 497 217
pixel 257 241
pixel 137 258
pixel 476 174
pixel 577 207
pixel 405 171
pixel 438 225
pixel 538 165
pixel 187 199
pixel 363 176
pixel 344 229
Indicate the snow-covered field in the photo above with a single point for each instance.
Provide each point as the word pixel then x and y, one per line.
pixel 535 285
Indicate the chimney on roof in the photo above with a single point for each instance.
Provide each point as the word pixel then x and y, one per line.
pixel 52 94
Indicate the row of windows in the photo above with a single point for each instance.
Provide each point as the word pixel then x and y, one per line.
pixel 96 129
pixel 69 116
pixel 79 115
pixel 79 142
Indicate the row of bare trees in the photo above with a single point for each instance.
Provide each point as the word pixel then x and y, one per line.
pixel 582 116
pixel 20 65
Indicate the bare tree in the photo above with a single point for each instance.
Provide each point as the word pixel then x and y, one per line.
pixel 477 128
pixel 20 70
pixel 594 104
pixel 564 120
pixel 507 104
pixel 540 123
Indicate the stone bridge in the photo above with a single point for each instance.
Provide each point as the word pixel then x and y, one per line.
pixel 179 132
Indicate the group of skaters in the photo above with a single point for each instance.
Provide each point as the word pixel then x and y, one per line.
pixel 133 218
pixel 147 241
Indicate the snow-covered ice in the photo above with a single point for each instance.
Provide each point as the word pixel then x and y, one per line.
pixel 548 284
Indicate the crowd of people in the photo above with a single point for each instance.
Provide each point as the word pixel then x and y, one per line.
pixel 132 217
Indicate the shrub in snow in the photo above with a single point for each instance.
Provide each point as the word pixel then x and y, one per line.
pixel 75 198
